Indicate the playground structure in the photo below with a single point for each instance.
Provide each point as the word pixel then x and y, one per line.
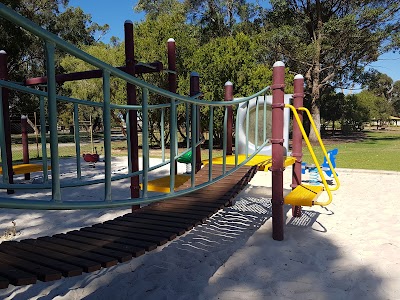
pixel 139 178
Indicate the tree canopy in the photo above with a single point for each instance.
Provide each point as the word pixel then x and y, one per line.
pixel 26 53
pixel 331 41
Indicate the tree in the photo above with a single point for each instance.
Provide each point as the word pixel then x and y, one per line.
pixel 213 18
pixel 378 83
pixel 91 89
pixel 155 8
pixel 396 97
pixel 356 111
pixel 332 106
pixel 232 59
pixel 26 53
pixel 150 45
pixel 330 41
pixel 378 107
pixel 382 85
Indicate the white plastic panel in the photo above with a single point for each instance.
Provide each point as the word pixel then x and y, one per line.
pixel 241 115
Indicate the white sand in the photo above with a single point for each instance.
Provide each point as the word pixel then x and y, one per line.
pixel 349 250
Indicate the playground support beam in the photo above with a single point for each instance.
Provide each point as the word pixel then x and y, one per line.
pixel 132 114
pixel 6 119
pixel 52 113
pixel 278 94
pixel 297 138
pixel 171 50
pixel 154 67
pixel 25 149
pixel 195 90
pixel 228 96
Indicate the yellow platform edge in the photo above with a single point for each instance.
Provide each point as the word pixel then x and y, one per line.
pixel 162 184
pixel 263 161
pixel 26 168
pixel 304 195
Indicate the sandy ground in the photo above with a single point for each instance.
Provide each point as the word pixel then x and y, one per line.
pixel 349 250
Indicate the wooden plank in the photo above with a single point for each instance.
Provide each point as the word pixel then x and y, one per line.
pixel 43 273
pixel 183 202
pixel 105 261
pixel 86 264
pixel 119 250
pixel 121 256
pixel 206 196
pixel 158 240
pixel 176 230
pixel 202 199
pixel 95 238
pixel 178 215
pixel 193 212
pixel 66 269
pixel 167 218
pixel 186 206
pixel 16 276
pixel 135 218
pixel 169 235
pixel 200 214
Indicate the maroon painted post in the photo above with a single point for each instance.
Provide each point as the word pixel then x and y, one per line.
pixel 194 90
pixel 25 149
pixel 171 50
pixel 278 94
pixel 297 140
pixel 229 97
pixel 171 65
pixel 132 114
pixel 6 118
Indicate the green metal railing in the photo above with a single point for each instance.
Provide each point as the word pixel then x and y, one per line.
pixel 52 42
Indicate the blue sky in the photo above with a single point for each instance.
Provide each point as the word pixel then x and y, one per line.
pixel 114 13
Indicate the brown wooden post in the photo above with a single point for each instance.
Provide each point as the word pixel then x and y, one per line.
pixel 229 97
pixel 6 119
pixel 297 139
pixel 25 144
pixel 194 90
pixel 172 84
pixel 132 114
pixel 278 94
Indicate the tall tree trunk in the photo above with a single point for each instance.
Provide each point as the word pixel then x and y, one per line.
pixel 315 74
pixel 315 111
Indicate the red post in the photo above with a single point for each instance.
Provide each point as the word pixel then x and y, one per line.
pixel 171 65
pixel 6 118
pixel 25 149
pixel 297 149
pixel 171 49
pixel 278 94
pixel 132 114
pixel 229 97
pixel 194 90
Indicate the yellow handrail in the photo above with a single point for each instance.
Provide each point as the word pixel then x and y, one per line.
pixel 328 190
pixel 323 148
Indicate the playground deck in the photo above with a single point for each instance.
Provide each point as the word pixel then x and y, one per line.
pixel 121 239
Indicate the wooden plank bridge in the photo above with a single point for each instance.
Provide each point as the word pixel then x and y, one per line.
pixel 119 240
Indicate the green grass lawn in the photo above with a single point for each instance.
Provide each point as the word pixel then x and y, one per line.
pixel 373 150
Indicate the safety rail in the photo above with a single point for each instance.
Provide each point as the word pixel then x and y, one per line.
pixel 314 157
pixel 53 42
